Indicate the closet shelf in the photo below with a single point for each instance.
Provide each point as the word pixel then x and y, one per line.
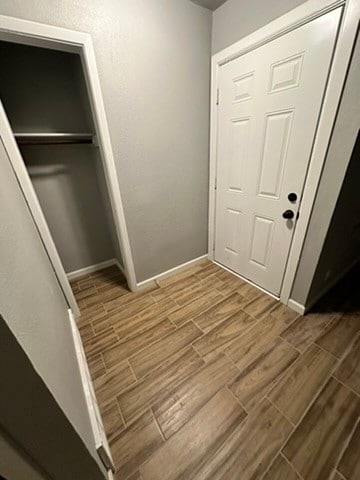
pixel 54 138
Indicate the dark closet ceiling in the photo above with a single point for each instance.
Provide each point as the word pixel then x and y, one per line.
pixel 210 4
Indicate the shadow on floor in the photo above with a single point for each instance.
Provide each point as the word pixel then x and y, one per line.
pixel 344 297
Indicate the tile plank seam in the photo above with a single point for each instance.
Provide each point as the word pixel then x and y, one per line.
pixel 152 343
pixel 273 386
pixel 315 397
pixel 282 445
pixel 108 298
pixel 330 375
pixel 234 363
pixel 346 444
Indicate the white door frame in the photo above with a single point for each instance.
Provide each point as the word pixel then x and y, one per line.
pixel 31 33
pixel 284 24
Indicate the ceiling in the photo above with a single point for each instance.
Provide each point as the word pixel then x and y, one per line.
pixel 210 4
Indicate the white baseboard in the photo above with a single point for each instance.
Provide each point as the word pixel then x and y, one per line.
pixel 152 281
pixel 94 268
pixel 296 306
pixel 120 267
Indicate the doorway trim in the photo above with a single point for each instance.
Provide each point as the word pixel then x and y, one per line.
pixel 301 15
pixel 26 32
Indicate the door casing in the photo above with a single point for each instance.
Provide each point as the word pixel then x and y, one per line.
pixel 295 18
pixel 40 35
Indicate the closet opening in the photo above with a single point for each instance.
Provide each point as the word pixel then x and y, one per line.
pixel 45 96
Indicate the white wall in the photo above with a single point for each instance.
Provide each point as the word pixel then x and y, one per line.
pixel 153 58
pixel 35 325
pixel 332 241
pixel 238 18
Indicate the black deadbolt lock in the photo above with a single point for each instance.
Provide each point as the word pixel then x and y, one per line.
pixel 292 197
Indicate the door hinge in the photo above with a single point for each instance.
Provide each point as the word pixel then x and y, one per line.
pixel 218 97
pixel 215 183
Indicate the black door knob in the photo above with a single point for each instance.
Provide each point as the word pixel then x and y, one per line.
pixel 292 197
pixel 288 214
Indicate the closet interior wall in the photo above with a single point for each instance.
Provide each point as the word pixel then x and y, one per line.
pixel 44 91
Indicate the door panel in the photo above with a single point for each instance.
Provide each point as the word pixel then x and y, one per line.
pixel 285 73
pixel 238 153
pixel 270 100
pixel 261 241
pixel 233 230
pixel 273 157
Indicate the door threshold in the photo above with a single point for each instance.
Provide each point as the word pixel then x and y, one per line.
pixel 247 281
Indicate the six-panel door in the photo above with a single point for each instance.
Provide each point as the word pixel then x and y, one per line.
pixel 270 100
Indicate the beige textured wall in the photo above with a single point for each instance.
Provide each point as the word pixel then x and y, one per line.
pixel 14 463
pixel 238 18
pixel 35 313
pixel 153 58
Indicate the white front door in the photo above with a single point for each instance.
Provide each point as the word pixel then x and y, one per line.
pixel 269 105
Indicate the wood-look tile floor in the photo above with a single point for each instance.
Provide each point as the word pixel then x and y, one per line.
pixel 206 377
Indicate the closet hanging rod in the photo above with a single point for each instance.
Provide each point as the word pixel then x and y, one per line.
pixel 54 138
